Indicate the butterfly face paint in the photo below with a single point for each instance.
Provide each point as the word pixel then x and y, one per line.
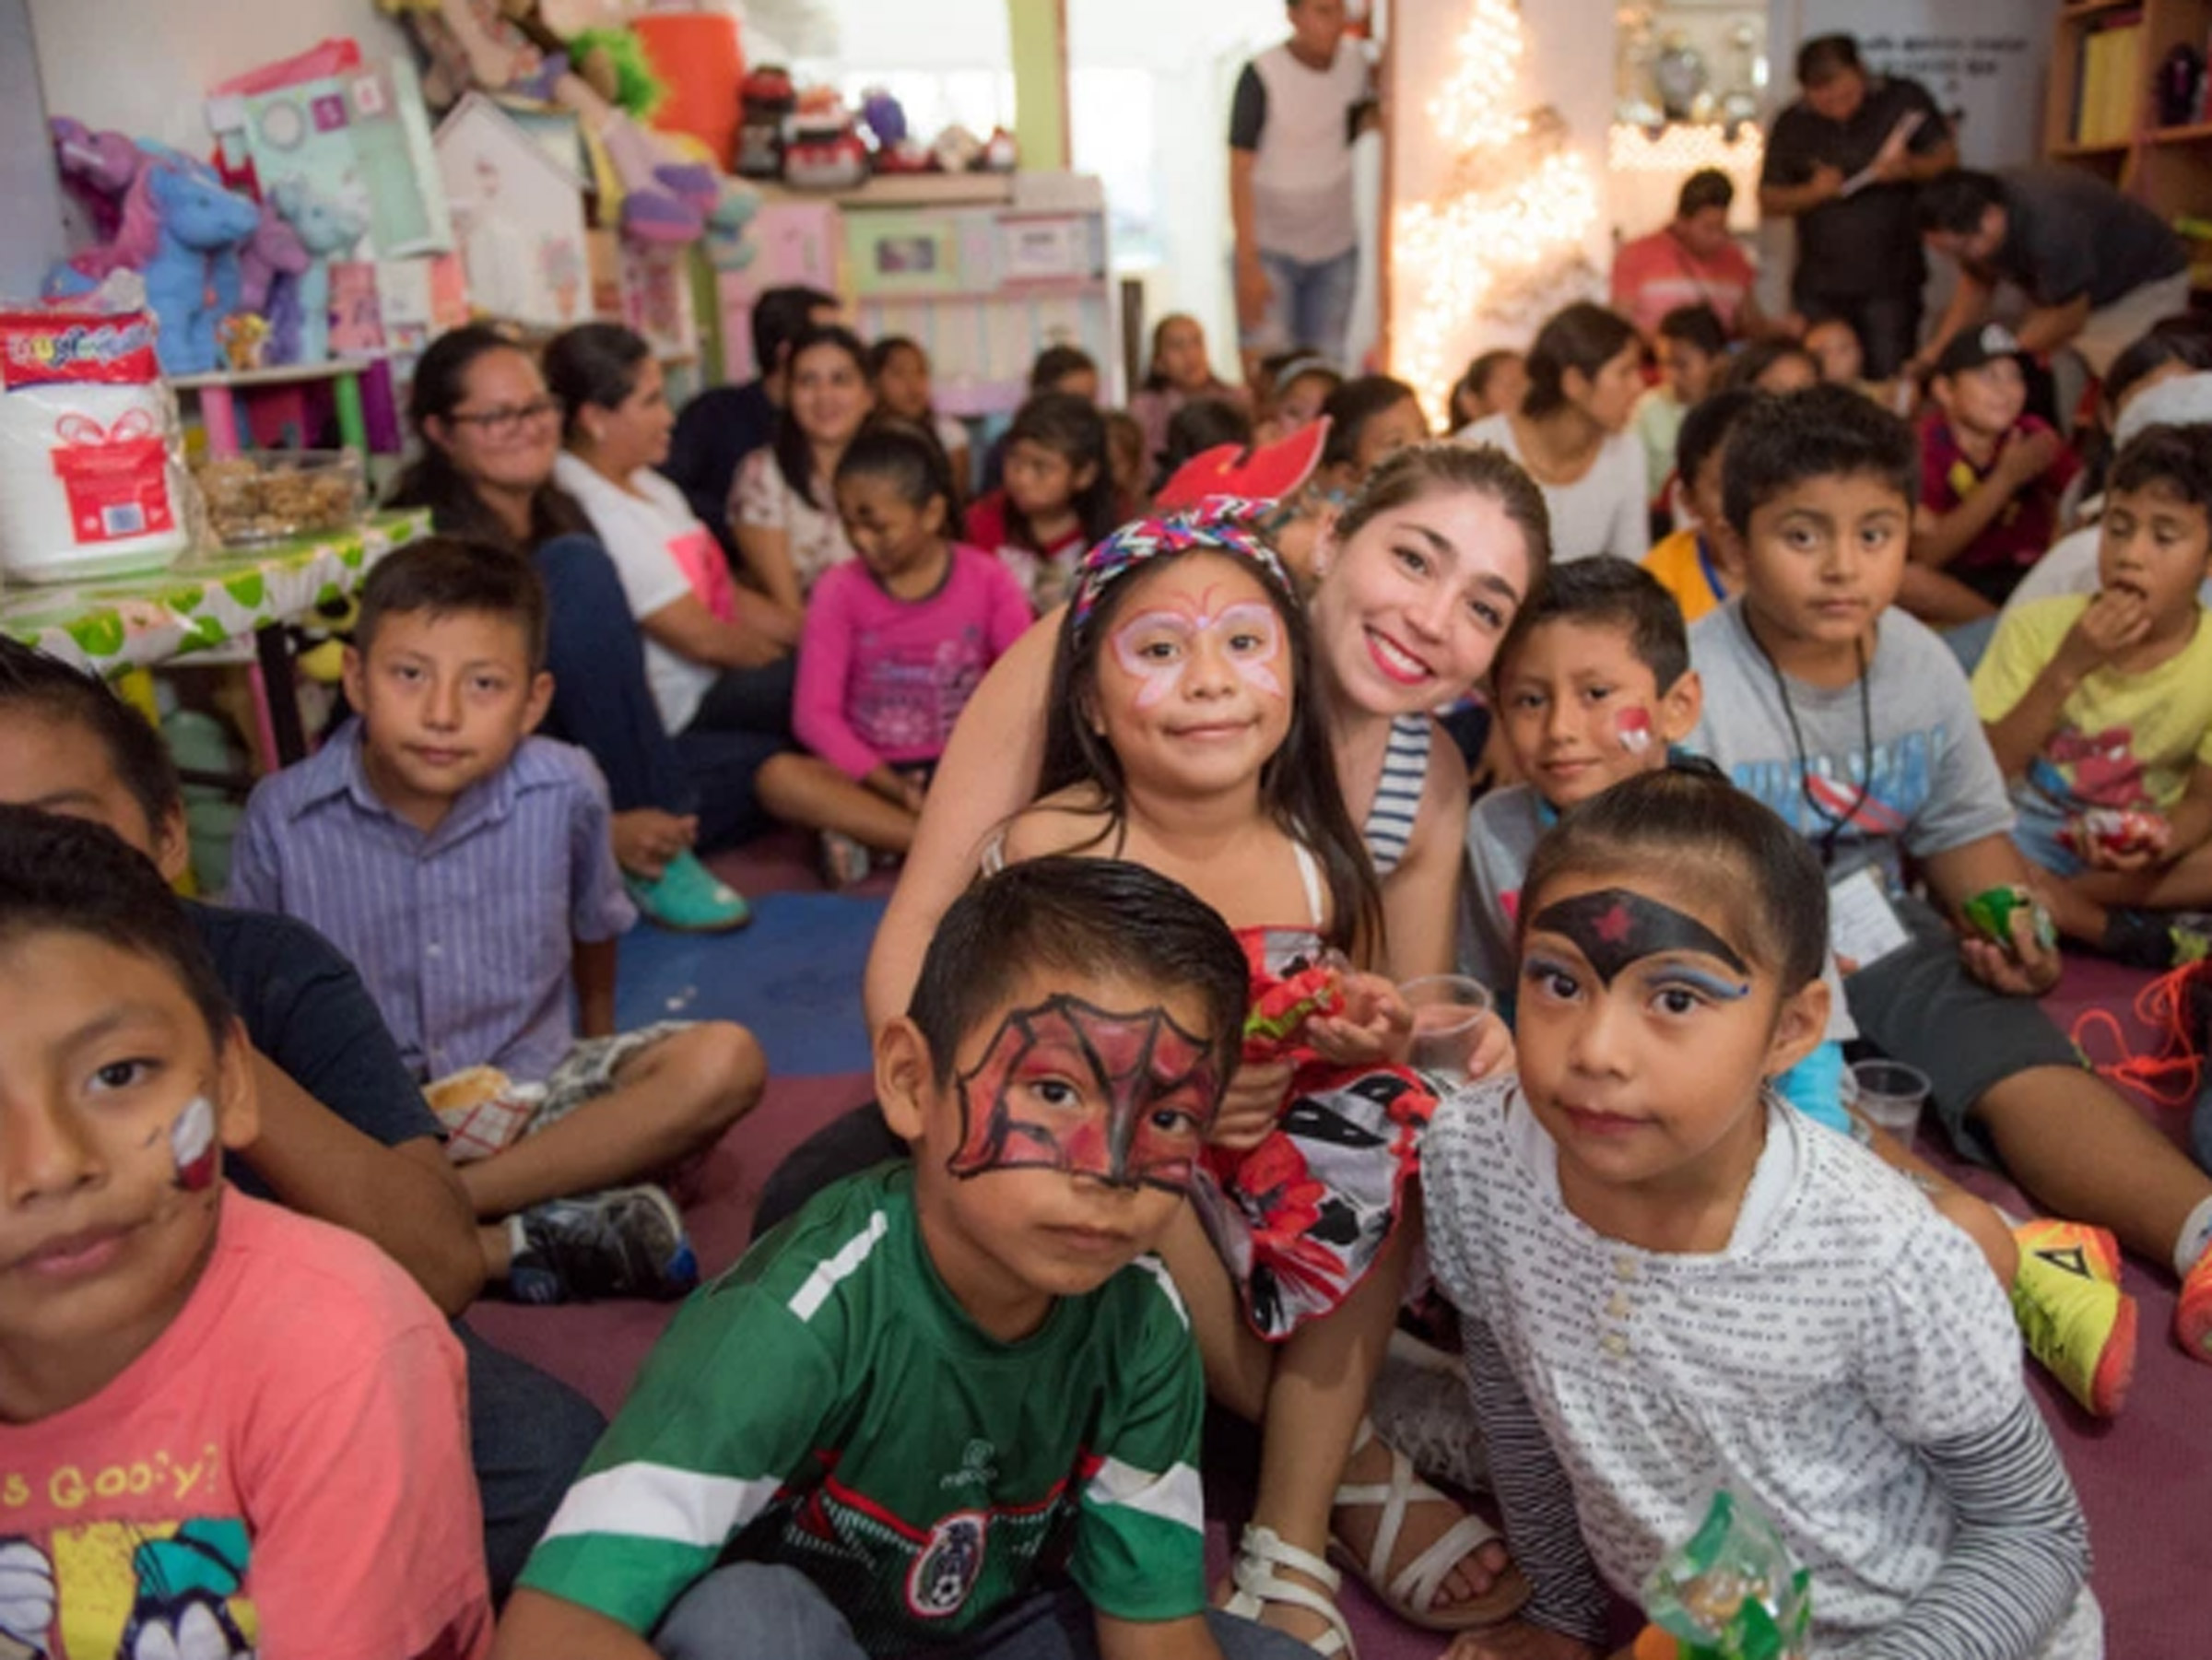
pixel 1157 648
pixel 192 1145
pixel 1614 928
pixel 1124 1098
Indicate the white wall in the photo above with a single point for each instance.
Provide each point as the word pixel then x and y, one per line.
pixel 28 195
pixel 1567 63
pixel 145 66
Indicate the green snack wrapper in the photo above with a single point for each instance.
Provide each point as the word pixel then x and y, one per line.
pixel 1731 1591
pixel 1990 913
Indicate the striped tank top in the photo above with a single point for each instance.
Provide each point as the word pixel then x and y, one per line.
pixel 1398 797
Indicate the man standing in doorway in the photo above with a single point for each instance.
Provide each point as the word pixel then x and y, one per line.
pixel 1297 109
pixel 1842 161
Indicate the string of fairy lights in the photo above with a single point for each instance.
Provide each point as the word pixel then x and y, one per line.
pixel 1506 232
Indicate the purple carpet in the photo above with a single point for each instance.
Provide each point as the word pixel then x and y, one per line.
pixel 2146 1480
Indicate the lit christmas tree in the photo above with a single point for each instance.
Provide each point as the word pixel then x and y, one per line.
pixel 1503 240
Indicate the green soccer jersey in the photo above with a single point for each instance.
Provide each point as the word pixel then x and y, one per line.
pixel 827 1405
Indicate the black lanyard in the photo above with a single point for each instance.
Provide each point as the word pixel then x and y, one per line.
pixel 1837 823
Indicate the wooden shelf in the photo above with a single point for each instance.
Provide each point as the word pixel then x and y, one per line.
pixel 2076 152
pixel 2090 8
pixel 906 190
pixel 2199 133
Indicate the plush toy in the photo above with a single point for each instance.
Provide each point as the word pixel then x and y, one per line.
pixel 327 230
pixel 270 266
pixel 495 44
pixel 97 167
pixel 181 231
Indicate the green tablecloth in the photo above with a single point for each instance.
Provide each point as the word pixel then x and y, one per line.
pixel 138 621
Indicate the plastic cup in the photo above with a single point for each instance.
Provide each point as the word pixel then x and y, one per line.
pixel 1448 1012
pixel 1890 1095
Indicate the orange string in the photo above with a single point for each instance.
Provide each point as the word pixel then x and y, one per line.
pixel 2169 1072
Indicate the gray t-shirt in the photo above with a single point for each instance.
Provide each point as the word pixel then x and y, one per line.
pixel 2067 234
pixel 1904 770
pixel 1503 828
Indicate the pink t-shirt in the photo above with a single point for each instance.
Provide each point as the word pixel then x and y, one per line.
pixel 882 679
pixel 284 1471
pixel 1657 274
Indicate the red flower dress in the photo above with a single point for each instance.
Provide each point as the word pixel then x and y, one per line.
pixel 1301 1216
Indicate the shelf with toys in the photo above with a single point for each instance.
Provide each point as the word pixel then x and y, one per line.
pixel 948 243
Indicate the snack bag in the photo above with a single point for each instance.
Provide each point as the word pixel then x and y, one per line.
pixel 1731 1591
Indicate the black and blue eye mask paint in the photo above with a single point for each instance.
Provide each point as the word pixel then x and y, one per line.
pixel 1614 928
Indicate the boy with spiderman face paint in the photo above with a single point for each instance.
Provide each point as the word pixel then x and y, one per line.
pixel 910 1404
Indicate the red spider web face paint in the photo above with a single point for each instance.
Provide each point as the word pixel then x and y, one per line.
pixel 1124 1098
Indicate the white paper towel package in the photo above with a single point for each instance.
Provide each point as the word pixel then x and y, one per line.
pixel 91 482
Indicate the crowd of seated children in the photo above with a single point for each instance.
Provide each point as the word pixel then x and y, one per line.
pixel 2098 708
pixel 971 1344
pixel 1594 685
pixel 342 1132
pixel 227 1428
pixel 1699 563
pixel 898 639
pixel 718 654
pixel 465 867
pixel 1854 724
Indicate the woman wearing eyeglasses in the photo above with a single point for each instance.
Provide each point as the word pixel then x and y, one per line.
pixel 490 433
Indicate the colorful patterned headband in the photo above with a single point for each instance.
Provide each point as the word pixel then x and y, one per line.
pixel 1222 522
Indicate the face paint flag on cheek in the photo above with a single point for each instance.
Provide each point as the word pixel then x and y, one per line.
pixel 1614 928
pixel 1634 728
pixel 1124 1098
pixel 192 1145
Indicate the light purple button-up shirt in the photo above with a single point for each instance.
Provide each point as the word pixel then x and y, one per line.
pixel 464 936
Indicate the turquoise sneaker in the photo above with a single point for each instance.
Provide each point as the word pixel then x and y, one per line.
pixel 687 899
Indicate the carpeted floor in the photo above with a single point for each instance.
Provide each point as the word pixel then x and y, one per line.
pixel 794 978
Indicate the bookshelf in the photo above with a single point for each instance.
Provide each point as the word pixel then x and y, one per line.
pixel 2103 109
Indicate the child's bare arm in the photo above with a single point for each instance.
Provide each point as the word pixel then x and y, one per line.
pixel 537 1625
pixel 2191 819
pixel 592 966
pixel 404 1199
pixel 1155 1640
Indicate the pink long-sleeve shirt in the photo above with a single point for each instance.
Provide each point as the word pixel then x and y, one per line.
pixel 882 679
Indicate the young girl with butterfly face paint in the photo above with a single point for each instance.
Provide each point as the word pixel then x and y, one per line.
pixel 1670 1282
pixel 1182 738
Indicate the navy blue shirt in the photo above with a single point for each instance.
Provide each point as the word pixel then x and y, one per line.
pixel 307 1010
pixel 716 431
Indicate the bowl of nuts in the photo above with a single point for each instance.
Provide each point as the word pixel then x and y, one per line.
pixel 274 495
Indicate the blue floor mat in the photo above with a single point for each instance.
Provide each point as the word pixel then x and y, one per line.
pixel 793 978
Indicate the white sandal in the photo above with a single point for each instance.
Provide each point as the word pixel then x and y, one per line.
pixel 1412 1593
pixel 1260 1551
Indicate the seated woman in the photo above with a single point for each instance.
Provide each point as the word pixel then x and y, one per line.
pixel 719 657
pixel 1585 373
pixel 781 508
